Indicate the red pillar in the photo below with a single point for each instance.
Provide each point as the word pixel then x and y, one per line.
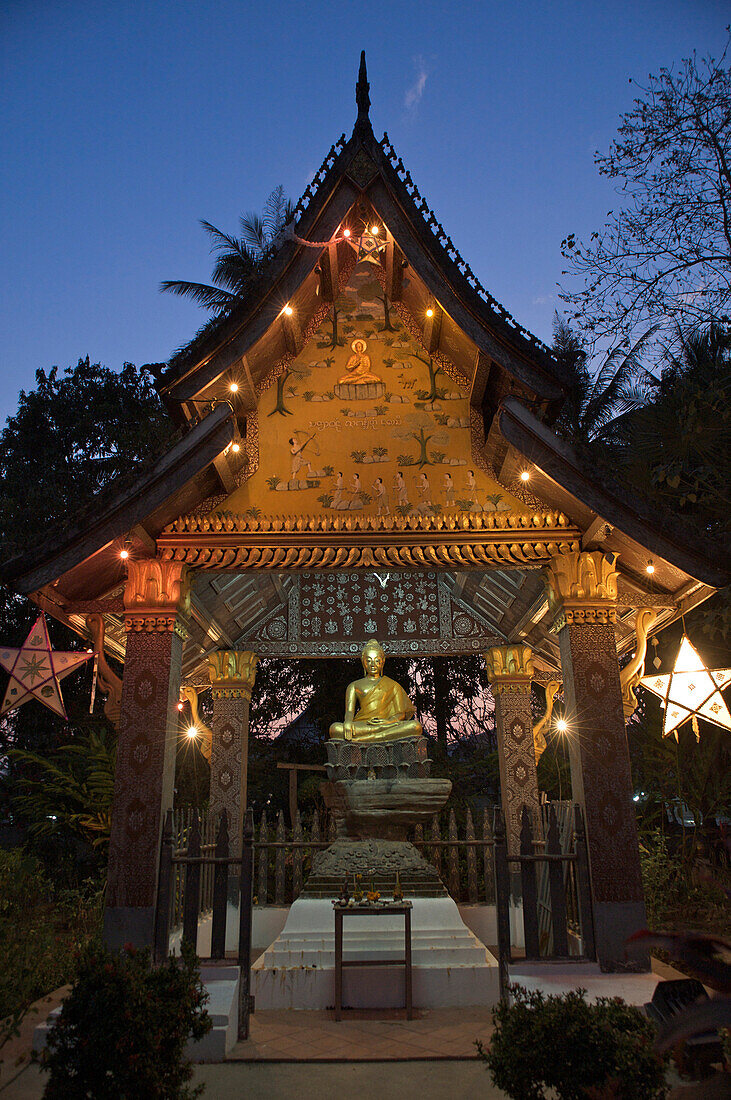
pixel 510 671
pixel 155 594
pixel 582 592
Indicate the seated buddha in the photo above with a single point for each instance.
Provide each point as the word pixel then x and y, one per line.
pixel 384 710
pixel 358 367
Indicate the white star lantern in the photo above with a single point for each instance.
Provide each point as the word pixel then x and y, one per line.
pixel 35 670
pixel 691 691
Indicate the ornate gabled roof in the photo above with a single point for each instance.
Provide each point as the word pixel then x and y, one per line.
pixel 359 180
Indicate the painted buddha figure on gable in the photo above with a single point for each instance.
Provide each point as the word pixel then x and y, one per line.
pixel 358 368
pixel 384 710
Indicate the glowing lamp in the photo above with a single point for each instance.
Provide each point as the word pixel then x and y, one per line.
pixel 650 568
pixel 430 312
pixel 234 387
pixel 235 447
pixel 690 691
pixel 525 475
pixel 346 232
pixel 180 706
pixel 288 310
pixel 562 725
pixel 124 554
pixel 374 230
pixel 192 732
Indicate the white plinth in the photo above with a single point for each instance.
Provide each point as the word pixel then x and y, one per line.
pixel 450 965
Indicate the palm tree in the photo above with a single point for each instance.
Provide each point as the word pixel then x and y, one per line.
pixel 241 261
pixel 596 402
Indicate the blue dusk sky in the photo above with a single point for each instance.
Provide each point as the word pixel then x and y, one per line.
pixel 125 123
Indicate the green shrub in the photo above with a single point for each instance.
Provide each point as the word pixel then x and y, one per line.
pixel 122 1030
pixel 564 1043
pixel 42 930
pixel 676 896
pixel 662 878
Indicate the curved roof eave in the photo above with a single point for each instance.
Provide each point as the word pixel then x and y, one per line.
pixel 188 458
pixel 555 457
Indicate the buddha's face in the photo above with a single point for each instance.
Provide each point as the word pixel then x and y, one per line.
pixel 373 660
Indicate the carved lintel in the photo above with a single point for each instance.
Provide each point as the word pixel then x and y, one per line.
pixel 539 737
pixel 157 592
pixel 232 673
pixel 191 694
pixel 582 588
pixel 633 672
pixel 510 668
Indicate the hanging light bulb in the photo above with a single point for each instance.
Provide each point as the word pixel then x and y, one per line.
pixel 430 312
pixel 525 475
pixel 235 447
pixel 562 725
pixel 234 387
pixel 650 568
pixel 191 732
pixel 346 233
pixel 288 311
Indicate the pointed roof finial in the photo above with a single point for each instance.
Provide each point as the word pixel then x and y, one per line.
pixel 361 93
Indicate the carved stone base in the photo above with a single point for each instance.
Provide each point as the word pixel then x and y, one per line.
pixel 377 861
pixel 384 808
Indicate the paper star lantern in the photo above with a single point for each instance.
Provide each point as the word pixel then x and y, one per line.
pixel 691 691
pixel 35 670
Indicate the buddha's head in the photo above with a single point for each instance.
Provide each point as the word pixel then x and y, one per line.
pixel 373 658
pixel 359 346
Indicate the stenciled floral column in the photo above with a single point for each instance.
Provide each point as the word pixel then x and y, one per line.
pixel 509 672
pixel 582 594
pixel 232 675
pixel 155 596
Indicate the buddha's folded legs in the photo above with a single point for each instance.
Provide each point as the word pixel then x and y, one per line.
pixel 364 731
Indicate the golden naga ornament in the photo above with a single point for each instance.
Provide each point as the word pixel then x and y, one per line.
pixel 691 691
pixel 35 670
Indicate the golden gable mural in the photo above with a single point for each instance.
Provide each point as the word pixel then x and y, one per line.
pixel 364 420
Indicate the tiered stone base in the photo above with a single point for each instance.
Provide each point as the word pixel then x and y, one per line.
pixel 450 965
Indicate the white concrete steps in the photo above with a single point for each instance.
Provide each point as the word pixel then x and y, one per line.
pixel 450 964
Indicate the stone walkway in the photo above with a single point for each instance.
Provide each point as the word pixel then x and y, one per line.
pixel 364 1035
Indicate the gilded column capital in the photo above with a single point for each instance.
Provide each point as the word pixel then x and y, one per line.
pixel 232 673
pixel 510 668
pixel 156 593
pixel 582 588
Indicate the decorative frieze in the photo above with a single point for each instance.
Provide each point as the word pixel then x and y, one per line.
pixel 582 588
pixel 157 592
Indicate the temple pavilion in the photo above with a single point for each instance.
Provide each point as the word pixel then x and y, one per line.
pixel 367 450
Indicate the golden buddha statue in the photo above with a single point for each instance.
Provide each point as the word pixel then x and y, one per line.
pixel 358 367
pixel 385 712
